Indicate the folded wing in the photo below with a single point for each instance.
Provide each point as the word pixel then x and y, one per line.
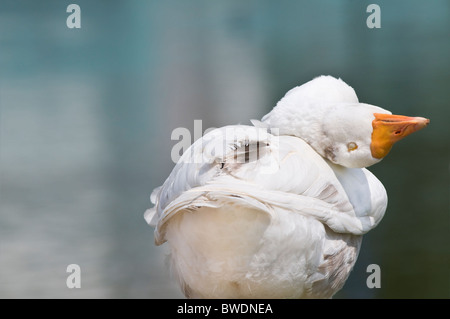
pixel 249 166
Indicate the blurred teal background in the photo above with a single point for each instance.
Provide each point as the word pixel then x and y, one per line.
pixel 86 117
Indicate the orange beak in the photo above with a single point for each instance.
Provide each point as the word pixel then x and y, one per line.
pixel 388 129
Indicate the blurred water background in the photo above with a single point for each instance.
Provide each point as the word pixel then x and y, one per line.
pixel 86 117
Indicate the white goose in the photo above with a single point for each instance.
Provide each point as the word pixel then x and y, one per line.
pixel 278 209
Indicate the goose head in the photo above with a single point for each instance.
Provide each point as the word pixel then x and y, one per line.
pixel 325 112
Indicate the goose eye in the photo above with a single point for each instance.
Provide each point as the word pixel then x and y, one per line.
pixel 352 146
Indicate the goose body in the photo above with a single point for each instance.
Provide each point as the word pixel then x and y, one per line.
pixel 277 209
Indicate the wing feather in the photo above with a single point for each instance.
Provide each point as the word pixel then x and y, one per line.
pixel 248 165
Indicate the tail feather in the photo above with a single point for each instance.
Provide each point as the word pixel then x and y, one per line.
pixel 150 213
pixel 149 216
pixel 154 195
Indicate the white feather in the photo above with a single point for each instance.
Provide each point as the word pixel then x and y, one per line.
pixel 272 223
pixel 253 213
